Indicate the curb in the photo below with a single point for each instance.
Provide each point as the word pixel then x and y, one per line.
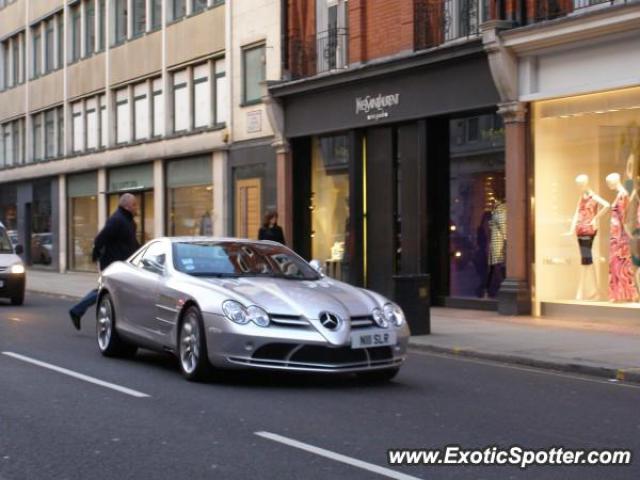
pixel 631 375
pixel 54 294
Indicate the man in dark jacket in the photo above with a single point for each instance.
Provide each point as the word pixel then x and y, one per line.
pixel 116 241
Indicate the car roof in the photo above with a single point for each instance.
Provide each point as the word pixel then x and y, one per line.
pixel 187 239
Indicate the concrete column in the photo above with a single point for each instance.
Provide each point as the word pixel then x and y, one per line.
pixel 514 297
pixel 62 224
pixel 220 205
pixel 159 213
pixel 102 198
pixel 284 182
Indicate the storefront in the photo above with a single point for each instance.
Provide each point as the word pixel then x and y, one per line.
pixel 399 170
pixel 587 203
pixel 190 198
pixel 138 180
pixel 82 210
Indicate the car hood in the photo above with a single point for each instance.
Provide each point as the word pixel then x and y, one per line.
pixel 7 259
pixel 300 297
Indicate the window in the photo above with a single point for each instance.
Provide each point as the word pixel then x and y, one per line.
pixel 121 15
pixel 91 114
pixel 18 59
pixel 101 24
pixel 141 111
pixel 199 6
pixel 49 59
pixel 12 61
pixel 221 92
pixel 178 9
pixel 139 17
pixel 201 96
pixel 104 127
pixel 36 140
pixel 36 55
pixel 253 62
pixel 156 14
pixel 60 115
pixel 158 108
pixel 50 133
pixel 90 27
pixel 6 64
pixel 6 132
pixel 180 102
pixel 77 126
pixel 60 40
pixel 76 24
pixel 123 120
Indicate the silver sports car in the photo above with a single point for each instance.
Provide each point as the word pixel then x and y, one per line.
pixel 229 303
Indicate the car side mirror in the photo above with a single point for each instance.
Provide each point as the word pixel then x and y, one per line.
pixel 152 266
pixel 19 249
pixel 315 264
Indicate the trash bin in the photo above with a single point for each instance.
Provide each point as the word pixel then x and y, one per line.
pixel 412 293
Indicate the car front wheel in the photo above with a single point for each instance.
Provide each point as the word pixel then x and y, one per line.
pixel 192 347
pixel 109 342
pixel 18 299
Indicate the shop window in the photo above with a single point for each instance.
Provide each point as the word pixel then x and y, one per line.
pixel 330 221
pixel 587 204
pixel 41 231
pixel 83 220
pixel 190 197
pixel 477 207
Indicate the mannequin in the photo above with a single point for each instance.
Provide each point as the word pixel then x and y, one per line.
pixel 621 288
pixel 497 244
pixel 584 225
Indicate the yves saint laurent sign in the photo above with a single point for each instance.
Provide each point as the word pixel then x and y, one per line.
pixel 376 107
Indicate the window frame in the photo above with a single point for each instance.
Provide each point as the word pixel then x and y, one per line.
pixel 246 50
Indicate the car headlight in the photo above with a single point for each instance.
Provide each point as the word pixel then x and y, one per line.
pixel 18 268
pixel 394 314
pixel 258 316
pixel 235 312
pixel 379 318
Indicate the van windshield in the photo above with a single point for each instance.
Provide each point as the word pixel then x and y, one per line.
pixel 5 243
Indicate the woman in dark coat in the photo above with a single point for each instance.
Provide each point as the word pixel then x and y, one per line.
pixel 270 229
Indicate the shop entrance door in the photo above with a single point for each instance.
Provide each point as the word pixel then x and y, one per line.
pixel 248 207
pixel 144 219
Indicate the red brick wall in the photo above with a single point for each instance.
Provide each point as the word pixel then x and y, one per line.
pixel 379 28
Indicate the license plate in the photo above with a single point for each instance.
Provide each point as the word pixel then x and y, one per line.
pixel 376 338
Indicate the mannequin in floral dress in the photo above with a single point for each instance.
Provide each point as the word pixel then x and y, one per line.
pixel 621 287
pixel 584 226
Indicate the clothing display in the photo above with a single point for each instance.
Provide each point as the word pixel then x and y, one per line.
pixel 635 240
pixel 621 287
pixel 585 243
pixel 585 229
pixel 498 232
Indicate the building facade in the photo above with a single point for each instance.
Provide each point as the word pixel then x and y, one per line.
pixel 160 98
pixel 569 76
pixel 396 148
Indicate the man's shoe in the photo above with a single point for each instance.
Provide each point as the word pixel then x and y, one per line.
pixel 75 319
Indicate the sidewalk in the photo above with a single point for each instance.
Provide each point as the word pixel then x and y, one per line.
pixel 610 350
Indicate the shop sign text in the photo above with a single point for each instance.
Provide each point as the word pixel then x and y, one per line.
pixel 376 107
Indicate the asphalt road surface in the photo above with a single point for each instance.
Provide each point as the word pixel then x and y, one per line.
pixel 138 419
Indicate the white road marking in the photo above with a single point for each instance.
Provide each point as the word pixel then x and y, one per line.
pixel 79 376
pixel 387 472
pixel 539 371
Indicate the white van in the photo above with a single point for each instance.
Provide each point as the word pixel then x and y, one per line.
pixel 12 272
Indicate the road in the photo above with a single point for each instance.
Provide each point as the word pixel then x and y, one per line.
pixel 57 426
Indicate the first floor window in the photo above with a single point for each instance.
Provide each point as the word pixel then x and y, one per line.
pixel 123 119
pixel 104 126
pixel 158 108
pixel 50 133
pixel 178 9
pixel 221 92
pixel 78 127
pixel 254 71
pixel 141 111
pixel 37 137
pixel 60 114
pixel 201 96
pixel 92 124
pixel 180 102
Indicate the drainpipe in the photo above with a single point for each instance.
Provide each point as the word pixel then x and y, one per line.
pixel 284 39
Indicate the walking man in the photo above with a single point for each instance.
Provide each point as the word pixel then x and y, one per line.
pixel 116 241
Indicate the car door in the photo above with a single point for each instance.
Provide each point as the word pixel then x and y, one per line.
pixel 143 290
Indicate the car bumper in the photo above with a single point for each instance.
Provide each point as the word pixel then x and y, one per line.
pixel 11 285
pixel 301 349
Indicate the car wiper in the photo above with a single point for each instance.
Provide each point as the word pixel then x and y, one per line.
pixel 212 274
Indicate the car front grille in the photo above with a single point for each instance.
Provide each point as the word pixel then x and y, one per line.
pixel 363 321
pixel 319 358
pixel 290 321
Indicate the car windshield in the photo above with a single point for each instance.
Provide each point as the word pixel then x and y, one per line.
pixel 240 259
pixel 5 243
